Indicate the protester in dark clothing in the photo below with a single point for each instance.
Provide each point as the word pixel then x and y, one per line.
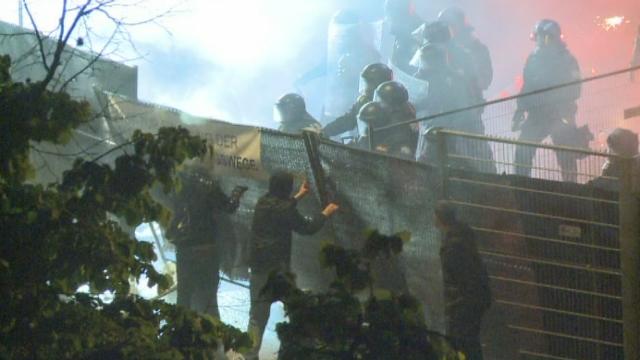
pixel 371 77
pixel 274 221
pixel 554 112
pixel 195 233
pixel 466 283
pixel 462 35
pixel 291 113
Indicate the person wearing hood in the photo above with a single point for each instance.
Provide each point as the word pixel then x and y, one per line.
pixel 467 292
pixel 195 230
pixel 275 219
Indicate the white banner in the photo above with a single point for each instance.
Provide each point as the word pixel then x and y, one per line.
pixel 232 149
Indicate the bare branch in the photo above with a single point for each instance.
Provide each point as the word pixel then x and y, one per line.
pixel 62 42
pixel 91 62
pixel 38 37
pixel 62 18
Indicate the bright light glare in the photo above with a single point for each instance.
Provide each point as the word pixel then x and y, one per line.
pixel 612 22
pixel 244 33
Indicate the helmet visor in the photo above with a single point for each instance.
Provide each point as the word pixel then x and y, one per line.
pixel 362 86
pixel 363 128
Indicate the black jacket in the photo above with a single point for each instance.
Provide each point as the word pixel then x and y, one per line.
pixel 195 209
pixel 349 120
pixel 466 282
pixel 274 221
pixel 546 67
pixel 306 122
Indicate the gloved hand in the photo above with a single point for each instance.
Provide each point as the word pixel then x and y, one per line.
pixel 330 209
pixel 238 191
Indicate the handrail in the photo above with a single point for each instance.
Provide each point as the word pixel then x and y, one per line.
pixel 509 98
pixel 521 142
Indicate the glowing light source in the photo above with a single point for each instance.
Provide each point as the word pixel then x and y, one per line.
pixel 612 22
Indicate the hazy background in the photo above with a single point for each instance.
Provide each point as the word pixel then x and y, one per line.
pixel 230 59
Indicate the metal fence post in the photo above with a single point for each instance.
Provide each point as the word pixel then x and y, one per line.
pixel 311 143
pixel 370 132
pixel 630 261
pixel 443 160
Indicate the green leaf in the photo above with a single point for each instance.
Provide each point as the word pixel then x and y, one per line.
pixel 32 216
pixel 382 294
pixel 405 236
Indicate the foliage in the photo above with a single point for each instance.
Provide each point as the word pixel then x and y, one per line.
pixel 339 324
pixel 56 238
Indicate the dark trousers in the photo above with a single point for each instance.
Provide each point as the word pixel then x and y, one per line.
pixel 471 347
pixel 463 328
pixel 259 313
pixel 535 129
pixel 198 278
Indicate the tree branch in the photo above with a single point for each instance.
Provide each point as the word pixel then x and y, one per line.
pixel 96 159
pixel 38 37
pixel 91 62
pixel 63 39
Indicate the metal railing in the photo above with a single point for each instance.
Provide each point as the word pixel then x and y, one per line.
pixel 563 257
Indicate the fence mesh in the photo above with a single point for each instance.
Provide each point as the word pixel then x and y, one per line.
pixel 550 240
pixel 552 250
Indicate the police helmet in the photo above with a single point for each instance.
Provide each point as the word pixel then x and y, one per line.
pixel 375 74
pixel 454 17
pixel 372 114
pixel 289 107
pixel 546 30
pixel 436 32
pixel 391 94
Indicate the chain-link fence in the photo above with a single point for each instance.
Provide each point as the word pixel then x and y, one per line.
pixel 601 105
pixel 552 248
pixel 560 241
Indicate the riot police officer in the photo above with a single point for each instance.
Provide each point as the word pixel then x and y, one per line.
pixel 370 116
pixel 462 35
pixel 448 91
pixel 553 112
pixel 370 78
pixel 290 111
pixel 438 33
pixel 402 20
pixel 394 99
pixel 351 48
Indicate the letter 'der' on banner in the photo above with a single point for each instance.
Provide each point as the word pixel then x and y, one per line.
pixel 231 149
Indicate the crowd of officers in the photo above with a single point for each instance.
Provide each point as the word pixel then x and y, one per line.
pixel 457 67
